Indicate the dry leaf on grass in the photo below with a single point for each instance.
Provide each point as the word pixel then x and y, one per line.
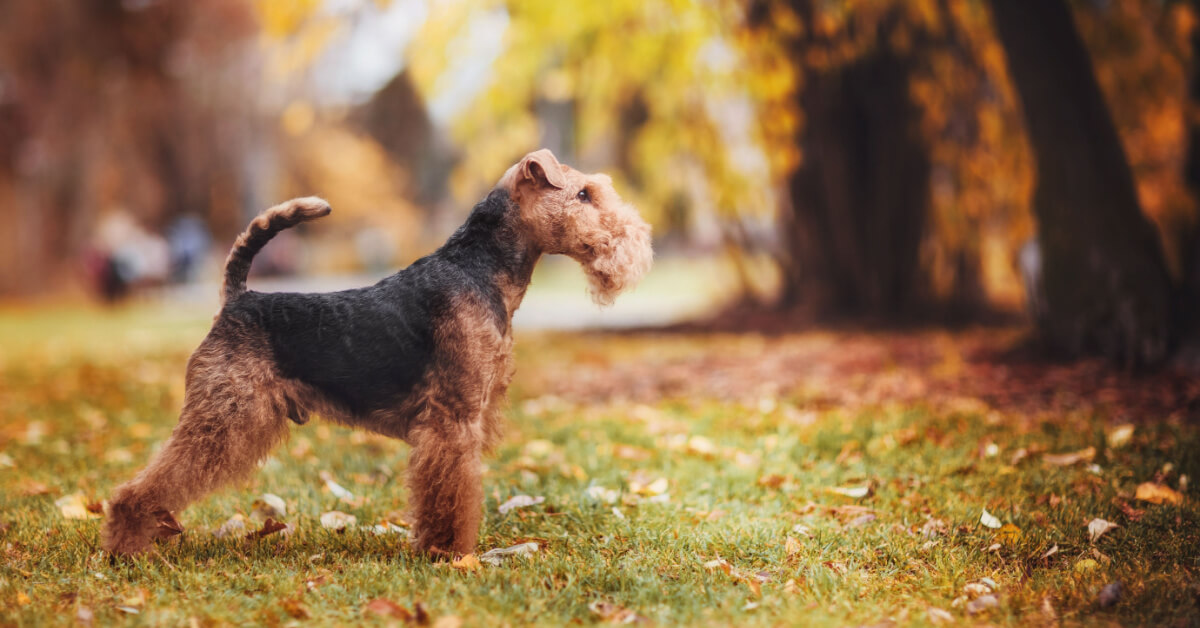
pixel 1120 436
pixel 989 520
pixel 466 563
pixel 792 547
pixel 1009 534
pixel 295 608
pixel 32 488
pixel 388 608
pixel 74 506
pixel 337 489
pixel 387 527
pixel 983 604
pixel 1158 494
pixel 602 494
pixel 701 446
pixel 270 526
pixel 751 580
pixel 1110 595
pixel 1098 528
pixel 614 614
pixel 500 554
pixel 939 616
pixel 519 501
pixel 773 480
pixel 853 492
pixel 641 484
pixel 269 506
pixel 337 520
pixel 1068 459
pixel 234 526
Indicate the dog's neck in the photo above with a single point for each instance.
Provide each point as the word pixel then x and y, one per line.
pixel 491 243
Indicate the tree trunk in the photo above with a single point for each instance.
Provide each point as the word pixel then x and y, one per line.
pixel 1188 297
pixel 860 199
pixel 1105 280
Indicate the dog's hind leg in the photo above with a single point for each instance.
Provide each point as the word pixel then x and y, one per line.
pixel 233 416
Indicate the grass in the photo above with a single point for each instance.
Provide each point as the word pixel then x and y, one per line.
pixel 85 396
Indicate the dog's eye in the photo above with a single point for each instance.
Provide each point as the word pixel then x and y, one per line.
pixel 584 196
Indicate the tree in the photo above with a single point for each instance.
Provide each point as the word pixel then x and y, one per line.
pixel 1106 285
pixel 860 198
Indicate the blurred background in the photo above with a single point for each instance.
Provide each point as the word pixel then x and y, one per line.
pixel 928 162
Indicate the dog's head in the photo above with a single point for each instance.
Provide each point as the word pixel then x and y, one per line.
pixel 580 215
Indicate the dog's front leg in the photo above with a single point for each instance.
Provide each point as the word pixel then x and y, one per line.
pixel 445 484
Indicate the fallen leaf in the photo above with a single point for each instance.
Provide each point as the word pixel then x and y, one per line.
pixel 773 480
pixel 614 614
pixel 1009 534
pixel 701 446
pixel 467 563
pixel 445 621
pixel 387 527
pixel 1120 436
pixel 939 616
pixel 976 589
pixel 792 547
pixel 338 520
pixel 601 494
pixel 1158 494
pixel 499 555
pixel 989 520
pixel 335 488
pixel 137 599
pixel 74 506
pixel 853 492
pixel 32 488
pixel 861 521
pixel 629 452
pixel 719 564
pixel 802 530
pixel 934 528
pixel 1067 459
pixel 1086 565
pixel 983 604
pixel 1098 528
pixel 270 526
pixel 388 608
pixel 268 506
pixel 84 615
pixel 641 485
pixel 234 526
pixel 1048 611
pixel 1110 595
pixel 519 501
pixel 294 607
pixel 1050 552
pixel 22 599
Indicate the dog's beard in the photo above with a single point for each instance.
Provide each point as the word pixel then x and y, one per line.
pixel 618 263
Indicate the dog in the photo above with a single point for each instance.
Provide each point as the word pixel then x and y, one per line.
pixel 425 355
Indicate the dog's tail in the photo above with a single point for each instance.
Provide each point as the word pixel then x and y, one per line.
pixel 261 230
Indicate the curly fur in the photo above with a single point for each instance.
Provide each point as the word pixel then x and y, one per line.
pixel 424 355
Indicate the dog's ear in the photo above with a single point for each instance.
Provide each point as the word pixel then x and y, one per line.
pixel 542 168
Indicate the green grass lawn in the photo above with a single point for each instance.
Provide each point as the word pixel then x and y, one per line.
pixel 677 495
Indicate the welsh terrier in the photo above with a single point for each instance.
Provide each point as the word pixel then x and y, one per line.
pixel 425 355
